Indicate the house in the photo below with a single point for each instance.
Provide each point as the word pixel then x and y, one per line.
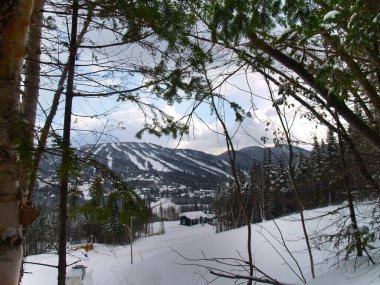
pixel 193 218
pixel 211 219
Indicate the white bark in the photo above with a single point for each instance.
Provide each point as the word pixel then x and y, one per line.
pixel 31 90
pixel 15 15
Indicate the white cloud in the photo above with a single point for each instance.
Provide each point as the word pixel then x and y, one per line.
pixel 123 120
pixel 123 123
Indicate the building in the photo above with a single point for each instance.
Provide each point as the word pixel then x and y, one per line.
pixel 193 218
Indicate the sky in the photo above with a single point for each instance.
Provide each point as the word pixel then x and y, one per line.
pixel 123 120
pixel 120 121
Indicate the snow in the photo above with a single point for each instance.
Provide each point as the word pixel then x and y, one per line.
pixel 133 158
pixel 85 189
pixel 154 146
pixel 157 164
pixel 285 33
pixel 349 275
pixel 98 149
pixel 376 19
pixel 331 15
pixel 109 160
pixel 165 202
pixel 350 21
pixel 116 147
pixel 225 163
pixel 193 215
pixel 205 166
pixel 293 35
pixel 156 259
pixel 161 165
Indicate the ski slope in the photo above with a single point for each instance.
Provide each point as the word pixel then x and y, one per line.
pixel 156 260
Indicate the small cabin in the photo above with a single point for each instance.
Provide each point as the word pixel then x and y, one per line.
pixel 193 218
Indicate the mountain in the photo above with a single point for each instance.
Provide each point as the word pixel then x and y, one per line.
pixel 144 163
pixel 245 156
pixel 151 165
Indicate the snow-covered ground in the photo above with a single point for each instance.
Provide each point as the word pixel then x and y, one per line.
pixel 157 261
pixel 165 203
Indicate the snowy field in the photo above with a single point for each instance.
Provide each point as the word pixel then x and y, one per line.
pixel 157 261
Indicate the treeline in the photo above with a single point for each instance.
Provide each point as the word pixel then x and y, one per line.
pixel 106 214
pixel 111 228
pixel 268 191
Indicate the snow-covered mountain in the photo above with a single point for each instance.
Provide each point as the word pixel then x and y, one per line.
pixel 246 155
pixel 147 164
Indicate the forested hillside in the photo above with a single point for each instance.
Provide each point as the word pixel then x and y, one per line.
pixel 143 164
pixel 268 191
pixel 320 179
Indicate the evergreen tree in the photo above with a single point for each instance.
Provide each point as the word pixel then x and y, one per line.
pixel 281 186
pixel 303 179
pixel 316 160
pixel 257 190
pixel 270 192
pixel 332 168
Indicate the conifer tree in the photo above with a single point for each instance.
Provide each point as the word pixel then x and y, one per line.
pixel 270 195
pixel 258 192
pixel 302 176
pixel 332 167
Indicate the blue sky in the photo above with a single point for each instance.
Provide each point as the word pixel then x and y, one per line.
pixel 121 121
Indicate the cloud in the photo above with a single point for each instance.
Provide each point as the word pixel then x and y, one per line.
pixel 123 120
pixel 104 119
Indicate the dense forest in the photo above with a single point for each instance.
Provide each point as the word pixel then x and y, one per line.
pixel 268 191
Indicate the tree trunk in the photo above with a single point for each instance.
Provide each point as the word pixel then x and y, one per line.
pixel 15 20
pixel 66 151
pixel 31 91
pixel 292 178
pixel 53 110
pixel 346 184
pixel 236 177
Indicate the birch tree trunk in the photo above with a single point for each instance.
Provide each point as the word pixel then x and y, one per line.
pixel 31 91
pixel 53 111
pixel 15 18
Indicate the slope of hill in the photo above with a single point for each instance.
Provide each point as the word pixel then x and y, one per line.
pixel 246 155
pixel 140 162
pixel 146 164
pixel 156 259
